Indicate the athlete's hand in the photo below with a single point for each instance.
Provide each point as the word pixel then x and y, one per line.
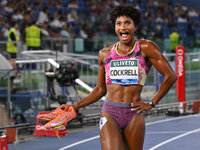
pixel 64 106
pixel 141 106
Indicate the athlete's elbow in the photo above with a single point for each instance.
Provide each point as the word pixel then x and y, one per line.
pixel 174 77
pixel 171 79
pixel 101 90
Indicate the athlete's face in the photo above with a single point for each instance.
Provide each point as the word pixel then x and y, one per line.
pixel 125 28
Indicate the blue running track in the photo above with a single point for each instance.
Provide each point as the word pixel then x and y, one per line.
pixel 178 133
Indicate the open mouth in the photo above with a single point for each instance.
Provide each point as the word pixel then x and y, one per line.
pixel 124 35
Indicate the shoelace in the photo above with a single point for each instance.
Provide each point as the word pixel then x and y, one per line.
pixel 57 129
pixel 60 132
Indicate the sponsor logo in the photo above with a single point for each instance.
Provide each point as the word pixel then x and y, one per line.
pixel 124 63
pixel 102 122
pixel 55 124
pixel 39 127
pixel 180 62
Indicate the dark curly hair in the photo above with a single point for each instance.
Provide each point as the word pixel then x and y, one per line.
pixel 125 10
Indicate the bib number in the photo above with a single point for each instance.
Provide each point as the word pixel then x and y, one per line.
pixel 124 69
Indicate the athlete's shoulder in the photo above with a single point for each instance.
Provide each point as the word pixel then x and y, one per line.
pixel 148 44
pixel 105 51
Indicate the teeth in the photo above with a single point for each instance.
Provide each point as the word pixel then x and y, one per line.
pixel 124 33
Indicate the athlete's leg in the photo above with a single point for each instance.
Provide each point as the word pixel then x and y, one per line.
pixel 134 132
pixel 110 135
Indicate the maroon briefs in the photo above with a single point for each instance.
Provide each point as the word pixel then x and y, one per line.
pixel 121 112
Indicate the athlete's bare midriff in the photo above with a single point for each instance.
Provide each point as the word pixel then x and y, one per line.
pixel 123 93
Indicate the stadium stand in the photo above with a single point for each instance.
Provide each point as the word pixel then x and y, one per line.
pixel 89 11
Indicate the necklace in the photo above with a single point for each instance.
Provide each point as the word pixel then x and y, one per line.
pixel 126 49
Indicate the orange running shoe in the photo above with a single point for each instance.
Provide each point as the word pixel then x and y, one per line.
pixel 62 118
pixel 49 116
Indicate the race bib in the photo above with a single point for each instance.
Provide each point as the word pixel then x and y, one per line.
pixel 124 71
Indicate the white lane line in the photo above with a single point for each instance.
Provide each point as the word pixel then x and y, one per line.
pixel 167 132
pixel 174 138
pixel 149 123
pixel 80 142
pixel 171 119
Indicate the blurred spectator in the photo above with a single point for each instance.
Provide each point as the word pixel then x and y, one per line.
pixel 67 31
pixel 3 2
pixel 13 38
pixel 5 31
pixel 171 23
pixel 2 20
pixel 103 23
pixel 185 7
pixel 158 30
pixel 142 33
pixel 134 3
pixel 86 34
pixel 191 33
pixel 9 8
pixel 25 23
pixel 45 32
pixel 89 29
pixel 72 17
pixel 72 4
pixel 159 18
pixel 53 32
pixel 182 18
pixel 33 36
pixel 21 5
pixel 174 41
pixel 17 15
pixel 35 13
pixel 83 32
pixel 151 32
pixel 56 20
pixel 43 16
pixel 193 12
pixel 58 4
pixel 51 4
pixel 3 13
pixel 63 21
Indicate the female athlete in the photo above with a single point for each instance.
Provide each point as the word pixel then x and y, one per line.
pixel 123 69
